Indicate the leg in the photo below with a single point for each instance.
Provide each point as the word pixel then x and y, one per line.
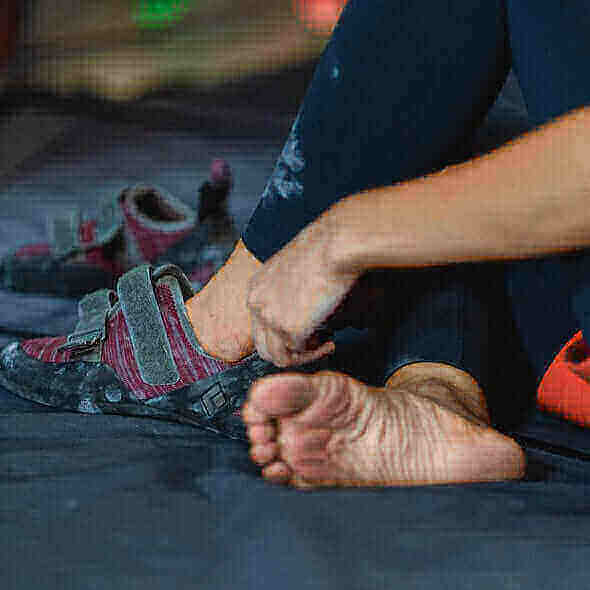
pixel 550 50
pixel 461 316
pixel 389 78
pixel 551 300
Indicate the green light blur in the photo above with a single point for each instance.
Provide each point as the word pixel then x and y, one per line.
pixel 159 14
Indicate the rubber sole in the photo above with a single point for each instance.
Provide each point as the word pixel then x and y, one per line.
pixel 94 388
pixel 65 280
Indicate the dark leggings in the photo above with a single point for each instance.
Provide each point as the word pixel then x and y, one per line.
pixel 399 92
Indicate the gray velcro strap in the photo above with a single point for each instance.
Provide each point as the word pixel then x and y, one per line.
pixel 93 309
pixel 91 327
pixel 65 234
pixel 109 219
pixel 146 328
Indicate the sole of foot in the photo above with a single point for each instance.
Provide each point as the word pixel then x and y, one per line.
pixel 328 429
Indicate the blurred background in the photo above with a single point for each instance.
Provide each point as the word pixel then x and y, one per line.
pixel 103 93
pixel 95 55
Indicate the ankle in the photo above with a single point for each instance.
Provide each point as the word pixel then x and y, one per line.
pixel 228 342
pixel 218 313
pixel 445 385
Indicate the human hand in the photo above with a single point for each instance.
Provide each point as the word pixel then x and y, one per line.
pixel 292 296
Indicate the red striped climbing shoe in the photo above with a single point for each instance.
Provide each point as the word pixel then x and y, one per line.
pixel 140 224
pixel 134 352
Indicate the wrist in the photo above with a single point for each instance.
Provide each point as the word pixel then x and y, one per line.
pixel 366 234
pixel 343 242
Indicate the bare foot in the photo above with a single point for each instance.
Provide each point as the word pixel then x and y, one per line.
pixel 218 312
pixel 329 429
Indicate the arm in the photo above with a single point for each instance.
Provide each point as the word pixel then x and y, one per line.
pixel 528 198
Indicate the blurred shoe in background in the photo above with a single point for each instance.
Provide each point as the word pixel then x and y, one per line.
pixel 140 224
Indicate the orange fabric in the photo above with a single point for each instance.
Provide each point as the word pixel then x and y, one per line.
pixel 565 387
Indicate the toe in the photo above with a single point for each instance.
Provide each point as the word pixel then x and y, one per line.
pixel 277 472
pixel 263 454
pixel 252 415
pixel 260 434
pixel 310 469
pixel 281 395
pixel 295 441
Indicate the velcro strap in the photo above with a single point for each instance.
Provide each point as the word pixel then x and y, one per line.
pixel 65 234
pixel 65 229
pixel 146 328
pixel 91 327
pixel 109 219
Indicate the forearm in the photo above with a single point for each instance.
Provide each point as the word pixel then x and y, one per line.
pixel 528 198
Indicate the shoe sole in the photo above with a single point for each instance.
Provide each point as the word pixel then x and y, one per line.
pixel 65 280
pixel 95 388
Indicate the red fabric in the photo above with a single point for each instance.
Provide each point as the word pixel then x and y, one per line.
pixel 191 365
pixel 33 250
pixel 565 387
pixel 151 242
pixel 96 255
pixel 117 351
pixel 46 349
pixel 220 172
pixel 87 231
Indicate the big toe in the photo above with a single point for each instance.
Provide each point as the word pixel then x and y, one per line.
pixel 276 400
pixel 279 396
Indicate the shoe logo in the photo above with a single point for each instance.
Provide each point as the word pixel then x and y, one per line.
pixel 213 400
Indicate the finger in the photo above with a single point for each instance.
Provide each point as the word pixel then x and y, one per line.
pixel 271 347
pixel 321 336
pixel 293 358
pixel 310 356
pixel 260 337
